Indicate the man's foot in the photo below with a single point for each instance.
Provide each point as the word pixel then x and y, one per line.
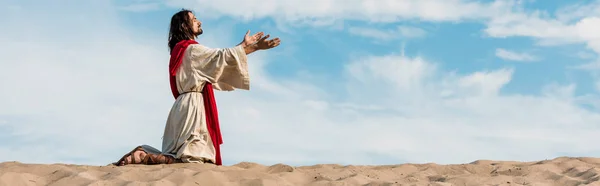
pixel 154 159
pixel 136 156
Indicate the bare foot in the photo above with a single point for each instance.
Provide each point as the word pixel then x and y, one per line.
pixel 134 157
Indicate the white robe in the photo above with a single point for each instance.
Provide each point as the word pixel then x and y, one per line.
pixel 186 136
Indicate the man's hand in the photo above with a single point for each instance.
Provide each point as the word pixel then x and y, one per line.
pixel 251 39
pixel 263 43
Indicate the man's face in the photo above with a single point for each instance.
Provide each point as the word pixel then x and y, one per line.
pixel 196 25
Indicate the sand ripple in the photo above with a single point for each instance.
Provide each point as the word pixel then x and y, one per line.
pixel 562 171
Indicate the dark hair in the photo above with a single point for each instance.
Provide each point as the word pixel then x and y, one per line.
pixel 181 28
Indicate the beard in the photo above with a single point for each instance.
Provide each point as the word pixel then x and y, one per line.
pixel 199 32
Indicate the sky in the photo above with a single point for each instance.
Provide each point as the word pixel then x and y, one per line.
pixel 365 82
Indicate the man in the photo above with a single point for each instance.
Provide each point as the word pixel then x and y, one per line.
pixel 192 133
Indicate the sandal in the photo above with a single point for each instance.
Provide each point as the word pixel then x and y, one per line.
pixel 133 159
pixel 154 159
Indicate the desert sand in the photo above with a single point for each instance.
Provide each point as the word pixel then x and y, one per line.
pixel 563 171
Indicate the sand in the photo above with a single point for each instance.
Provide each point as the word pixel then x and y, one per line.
pixel 564 171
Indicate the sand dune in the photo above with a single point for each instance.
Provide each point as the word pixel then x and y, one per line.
pixel 562 171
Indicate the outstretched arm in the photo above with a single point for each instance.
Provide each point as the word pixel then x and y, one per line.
pixel 249 42
pixel 250 48
pixel 225 68
pixel 258 42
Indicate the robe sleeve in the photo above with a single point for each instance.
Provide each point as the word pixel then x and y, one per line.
pixel 225 68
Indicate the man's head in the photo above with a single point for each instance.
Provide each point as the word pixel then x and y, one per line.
pixel 184 26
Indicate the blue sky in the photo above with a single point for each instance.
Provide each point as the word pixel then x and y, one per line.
pixel 353 82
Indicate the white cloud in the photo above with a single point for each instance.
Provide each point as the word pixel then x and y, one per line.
pixel 331 10
pixel 586 55
pixel 515 56
pixel 578 10
pixel 143 7
pixel 374 33
pixel 389 34
pixel 504 18
pixel 574 25
pixel 486 83
pixel 138 5
pixel 408 31
pixel 404 73
pixel 577 23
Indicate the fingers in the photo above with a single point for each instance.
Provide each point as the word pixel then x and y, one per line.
pixel 273 42
pixel 264 38
pixel 277 40
pixel 264 43
pixel 276 44
pixel 258 35
pixel 248 33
